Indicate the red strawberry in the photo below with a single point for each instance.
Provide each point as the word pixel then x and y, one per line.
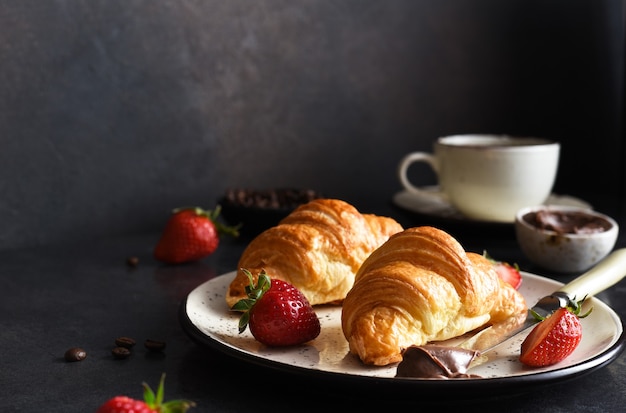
pixel 278 314
pixel 152 403
pixel 122 404
pixel 507 272
pixel 554 338
pixel 189 235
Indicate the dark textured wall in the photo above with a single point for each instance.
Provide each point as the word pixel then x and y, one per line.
pixel 113 112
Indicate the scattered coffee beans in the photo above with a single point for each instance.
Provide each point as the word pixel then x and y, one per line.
pixel 75 354
pixel 120 353
pixel 125 342
pixel 154 345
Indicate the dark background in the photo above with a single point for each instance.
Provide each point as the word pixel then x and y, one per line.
pixel 113 112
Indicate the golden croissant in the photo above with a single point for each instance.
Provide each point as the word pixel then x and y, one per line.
pixel 318 248
pixel 421 286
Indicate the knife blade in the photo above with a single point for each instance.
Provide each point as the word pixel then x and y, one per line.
pixel 603 275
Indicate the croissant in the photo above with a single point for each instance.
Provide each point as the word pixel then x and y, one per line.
pixel 318 248
pixel 422 286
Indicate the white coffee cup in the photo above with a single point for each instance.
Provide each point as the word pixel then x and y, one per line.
pixel 488 177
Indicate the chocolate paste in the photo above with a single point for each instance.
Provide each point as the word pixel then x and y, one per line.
pixel 567 222
pixel 436 362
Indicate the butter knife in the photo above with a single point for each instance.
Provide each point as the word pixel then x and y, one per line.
pixel 603 275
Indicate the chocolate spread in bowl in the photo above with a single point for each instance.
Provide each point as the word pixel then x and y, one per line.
pixel 567 222
pixel 436 362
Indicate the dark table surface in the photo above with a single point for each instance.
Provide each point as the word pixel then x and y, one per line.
pixel 85 295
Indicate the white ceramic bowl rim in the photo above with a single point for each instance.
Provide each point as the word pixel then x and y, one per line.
pixel 519 217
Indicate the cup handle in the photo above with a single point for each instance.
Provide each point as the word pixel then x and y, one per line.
pixel 403 168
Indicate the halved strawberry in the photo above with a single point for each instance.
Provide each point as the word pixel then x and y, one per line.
pixel 278 314
pixel 507 272
pixel 554 338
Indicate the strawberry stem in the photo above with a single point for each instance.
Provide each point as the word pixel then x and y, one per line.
pixel 573 306
pixel 155 401
pixel 221 227
pixel 254 293
pixel 493 260
pixel 160 391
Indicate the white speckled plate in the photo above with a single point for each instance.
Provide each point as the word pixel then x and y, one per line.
pixel 207 319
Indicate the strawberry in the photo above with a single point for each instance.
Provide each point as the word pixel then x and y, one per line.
pixel 152 403
pixel 554 338
pixel 190 234
pixel 277 312
pixel 507 272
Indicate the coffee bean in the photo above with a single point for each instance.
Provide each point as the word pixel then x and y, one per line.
pixel 132 261
pixel 75 354
pixel 120 352
pixel 126 342
pixel 154 345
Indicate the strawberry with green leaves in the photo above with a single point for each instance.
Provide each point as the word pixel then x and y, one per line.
pixel 277 313
pixel 554 338
pixel 190 235
pixel 152 403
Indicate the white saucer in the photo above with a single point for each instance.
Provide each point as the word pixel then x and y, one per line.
pixel 434 203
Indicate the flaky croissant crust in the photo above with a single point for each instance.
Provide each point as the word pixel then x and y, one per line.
pixel 421 286
pixel 318 248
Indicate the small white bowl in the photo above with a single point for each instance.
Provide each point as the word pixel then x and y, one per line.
pixel 564 251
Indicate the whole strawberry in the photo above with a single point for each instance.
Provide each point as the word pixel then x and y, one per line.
pixel 554 338
pixel 278 313
pixel 152 403
pixel 190 235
